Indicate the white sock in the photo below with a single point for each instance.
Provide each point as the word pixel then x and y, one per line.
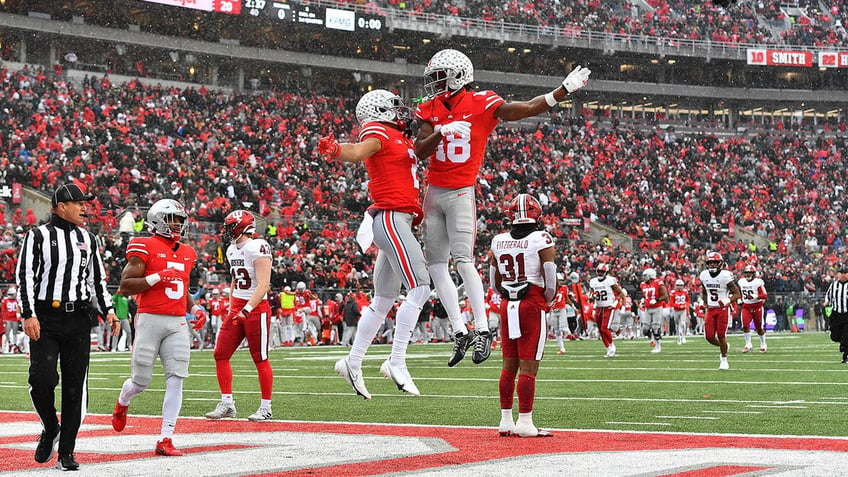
pixel 265 404
pixel 559 341
pixel 128 391
pixel 762 340
pixel 407 317
pixel 506 414
pixel 227 398
pixel 367 329
pixel 747 339
pixel 525 417
pixel 171 404
pixel 476 294
pixel 447 294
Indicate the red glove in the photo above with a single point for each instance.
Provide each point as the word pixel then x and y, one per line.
pixel 170 274
pixel 328 145
pixel 199 320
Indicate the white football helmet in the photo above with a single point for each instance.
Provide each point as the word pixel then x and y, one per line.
pixel 382 106
pixel 12 292
pixel 649 274
pixel 301 286
pixel 574 277
pixel 447 72
pixel 167 218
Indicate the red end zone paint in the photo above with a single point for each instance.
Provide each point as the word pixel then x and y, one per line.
pixel 466 445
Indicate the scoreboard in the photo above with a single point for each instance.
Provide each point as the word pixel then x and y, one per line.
pixel 332 18
pixel 232 7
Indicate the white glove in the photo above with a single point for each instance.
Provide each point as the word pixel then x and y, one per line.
pixel 456 129
pixel 653 301
pixel 724 302
pixel 577 79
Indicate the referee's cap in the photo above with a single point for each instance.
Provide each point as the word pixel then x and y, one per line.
pixel 70 193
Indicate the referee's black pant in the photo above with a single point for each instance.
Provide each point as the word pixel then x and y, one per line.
pixel 66 340
pixel 839 330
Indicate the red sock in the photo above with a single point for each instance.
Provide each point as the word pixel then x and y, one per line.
pixel 266 378
pixel 225 375
pixel 526 392
pixel 506 386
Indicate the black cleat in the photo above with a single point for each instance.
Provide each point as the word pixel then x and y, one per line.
pixel 67 462
pixel 461 343
pixel 46 446
pixel 482 346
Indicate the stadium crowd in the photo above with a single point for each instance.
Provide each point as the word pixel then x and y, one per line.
pixel 132 144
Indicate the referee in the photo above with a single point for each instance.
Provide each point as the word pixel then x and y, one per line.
pixel 60 277
pixel 837 297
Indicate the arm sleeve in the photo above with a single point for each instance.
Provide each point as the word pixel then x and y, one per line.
pixel 550 280
pixel 493 274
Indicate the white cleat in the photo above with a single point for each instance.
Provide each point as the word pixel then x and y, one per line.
pixel 763 349
pixel 400 376
pixel 222 411
pixel 261 415
pixel 528 429
pixel 506 427
pixel 723 364
pixel 610 352
pixel 356 381
pixel 657 348
pixel 746 349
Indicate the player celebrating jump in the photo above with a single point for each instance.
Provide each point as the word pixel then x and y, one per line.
pixel 249 314
pixel 455 123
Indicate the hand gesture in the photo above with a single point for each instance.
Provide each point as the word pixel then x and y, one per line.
pixel 456 129
pixel 577 79
pixel 328 146
pixel 199 320
pixel 170 275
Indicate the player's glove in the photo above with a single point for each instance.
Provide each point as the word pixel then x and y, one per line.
pixel 328 146
pixel 456 129
pixel 653 301
pixel 170 274
pixel 199 320
pixel 577 79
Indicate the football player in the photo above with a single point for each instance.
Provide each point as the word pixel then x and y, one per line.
pixel 523 270
pixel 754 295
pixel 654 296
pixel 158 270
pixel 249 315
pixel 606 295
pixel 558 317
pixel 718 291
pixel 455 124
pixel 392 165
pixel 680 302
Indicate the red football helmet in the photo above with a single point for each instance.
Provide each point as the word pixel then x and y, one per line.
pixel 714 260
pixel 602 269
pixel 750 269
pixel 524 209
pixel 237 223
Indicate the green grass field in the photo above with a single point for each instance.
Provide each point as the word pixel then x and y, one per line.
pixel 797 388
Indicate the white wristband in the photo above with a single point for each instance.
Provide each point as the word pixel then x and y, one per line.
pixel 195 309
pixel 549 98
pixel 153 279
pixel 247 309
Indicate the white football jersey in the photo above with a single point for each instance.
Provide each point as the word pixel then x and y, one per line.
pixel 242 268
pixel 518 259
pixel 751 290
pixel 602 291
pixel 716 286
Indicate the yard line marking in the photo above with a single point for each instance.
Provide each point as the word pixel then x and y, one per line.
pixel 707 418
pixel 640 423
pixel 734 412
pixel 779 407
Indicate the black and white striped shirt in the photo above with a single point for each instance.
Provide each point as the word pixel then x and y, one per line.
pixel 837 296
pixel 60 262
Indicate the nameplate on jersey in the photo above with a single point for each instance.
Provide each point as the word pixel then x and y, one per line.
pixel 515 291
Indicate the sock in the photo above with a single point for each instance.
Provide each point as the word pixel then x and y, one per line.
pixel 171 404
pixel 476 294
pixel 266 379
pixel 506 388
pixel 747 339
pixel 265 404
pixel 506 414
pixel 225 376
pixel 227 399
pixel 365 333
pixel 128 391
pixel 762 341
pixel 559 341
pixel 447 294
pixel 407 317
pixel 526 393
pixel 525 416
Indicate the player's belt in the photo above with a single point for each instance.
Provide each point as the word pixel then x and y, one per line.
pixel 66 306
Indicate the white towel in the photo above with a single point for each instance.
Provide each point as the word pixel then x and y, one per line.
pixel 512 320
pixel 365 233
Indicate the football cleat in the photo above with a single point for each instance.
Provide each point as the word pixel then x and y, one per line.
pixel 506 427
pixel 562 351
pixel 763 349
pixel 723 364
pixel 461 343
pixel 400 376
pixel 119 417
pixel 610 352
pixel 222 410
pixel 746 349
pixel 46 446
pixel 356 381
pixel 527 429
pixel 482 347
pixel 166 447
pixel 67 462
pixel 262 414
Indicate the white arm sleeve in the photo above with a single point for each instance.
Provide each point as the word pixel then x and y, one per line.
pixel 550 280
pixel 493 273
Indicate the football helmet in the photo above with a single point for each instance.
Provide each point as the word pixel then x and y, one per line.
pixel 216 292
pixel 714 261
pixel 749 270
pixel 574 277
pixel 447 72
pixel 524 209
pixel 167 218
pixel 237 223
pixel 12 292
pixel 382 106
pixel 300 286
pixel 602 269
pixel 649 274
pixel 679 283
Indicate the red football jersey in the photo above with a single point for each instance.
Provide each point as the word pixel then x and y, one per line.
pixel 561 298
pixel 158 254
pixel 651 291
pixel 393 172
pixel 679 299
pixel 457 161
pixel 10 310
